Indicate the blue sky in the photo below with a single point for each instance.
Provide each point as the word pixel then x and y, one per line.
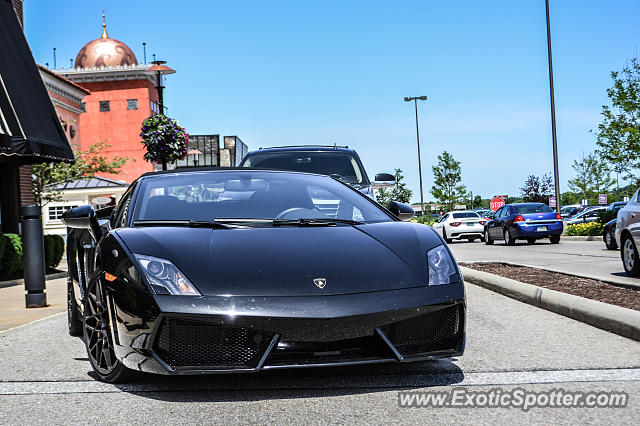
pixel 291 73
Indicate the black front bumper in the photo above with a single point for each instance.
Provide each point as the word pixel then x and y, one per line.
pixel 218 335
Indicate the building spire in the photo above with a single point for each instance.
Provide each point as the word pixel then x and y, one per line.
pixel 104 25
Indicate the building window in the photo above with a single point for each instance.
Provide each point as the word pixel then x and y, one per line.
pixel 83 106
pixel 55 212
pixel 105 106
pixel 132 104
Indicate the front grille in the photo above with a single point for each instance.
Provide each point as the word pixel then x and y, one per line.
pixel 191 343
pixel 435 331
pixel 304 353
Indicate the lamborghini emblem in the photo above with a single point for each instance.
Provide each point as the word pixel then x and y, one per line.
pixel 320 282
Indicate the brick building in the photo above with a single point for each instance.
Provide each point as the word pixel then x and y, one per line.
pixel 121 95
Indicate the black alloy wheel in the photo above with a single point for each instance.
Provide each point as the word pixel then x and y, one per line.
pixel 97 335
pixel 508 239
pixel 555 239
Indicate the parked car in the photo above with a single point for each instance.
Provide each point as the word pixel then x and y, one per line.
pixel 628 235
pixel 238 270
pixel 527 221
pixel 590 215
pixel 572 210
pixel 482 212
pixel 612 211
pixel 459 225
pixel 339 162
pixel 609 235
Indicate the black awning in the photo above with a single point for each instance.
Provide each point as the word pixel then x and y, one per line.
pixel 30 130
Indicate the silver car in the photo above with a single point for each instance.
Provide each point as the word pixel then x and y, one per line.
pixel 628 235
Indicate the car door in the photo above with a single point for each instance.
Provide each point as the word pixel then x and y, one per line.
pixel 495 224
pixel 442 222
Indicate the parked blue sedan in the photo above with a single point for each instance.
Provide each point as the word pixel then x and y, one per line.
pixel 523 221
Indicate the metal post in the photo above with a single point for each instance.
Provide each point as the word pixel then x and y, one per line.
pixel 415 102
pixel 144 52
pixel 33 257
pixel 553 114
pixel 54 58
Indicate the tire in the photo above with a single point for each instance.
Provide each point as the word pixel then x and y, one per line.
pixel 74 321
pixel 555 239
pixel 508 239
pixel 531 240
pixel 487 239
pixel 96 325
pixel 444 235
pixel 610 240
pixel 629 256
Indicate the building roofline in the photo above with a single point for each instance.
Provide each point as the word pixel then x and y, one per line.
pixel 64 80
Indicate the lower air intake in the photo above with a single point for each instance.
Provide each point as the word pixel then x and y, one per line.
pixel 436 331
pixel 185 343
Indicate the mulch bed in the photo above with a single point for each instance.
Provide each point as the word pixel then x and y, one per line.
pixel 584 287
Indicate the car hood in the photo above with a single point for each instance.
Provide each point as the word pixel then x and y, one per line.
pixel 285 261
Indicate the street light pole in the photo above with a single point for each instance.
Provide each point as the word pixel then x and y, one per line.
pixel 553 113
pixel 415 103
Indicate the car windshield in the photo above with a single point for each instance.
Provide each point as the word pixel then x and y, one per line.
pixel 465 215
pixel 568 209
pixel 533 208
pixel 207 196
pixel 342 165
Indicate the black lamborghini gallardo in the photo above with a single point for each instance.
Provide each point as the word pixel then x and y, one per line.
pixel 243 270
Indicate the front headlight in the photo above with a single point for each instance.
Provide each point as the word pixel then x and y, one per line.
pixel 164 277
pixel 441 267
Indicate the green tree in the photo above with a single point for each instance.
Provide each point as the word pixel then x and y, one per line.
pixel 593 177
pixel 447 179
pixel 46 176
pixel 618 134
pixel 537 189
pixel 399 192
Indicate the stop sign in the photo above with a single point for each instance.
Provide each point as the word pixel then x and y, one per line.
pixel 496 203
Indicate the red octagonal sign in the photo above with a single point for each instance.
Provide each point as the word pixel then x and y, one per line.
pixel 496 203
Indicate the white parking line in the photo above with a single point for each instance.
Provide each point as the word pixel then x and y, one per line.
pixel 453 379
pixel 32 322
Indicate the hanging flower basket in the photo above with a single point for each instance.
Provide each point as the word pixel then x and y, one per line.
pixel 164 139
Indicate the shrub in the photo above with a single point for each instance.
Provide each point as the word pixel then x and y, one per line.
pixel 425 220
pixel 10 255
pixel 53 250
pixel 585 229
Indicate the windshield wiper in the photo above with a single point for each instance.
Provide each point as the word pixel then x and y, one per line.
pixel 314 222
pixel 288 222
pixel 189 223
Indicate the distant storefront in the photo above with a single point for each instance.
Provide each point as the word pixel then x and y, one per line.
pixel 98 192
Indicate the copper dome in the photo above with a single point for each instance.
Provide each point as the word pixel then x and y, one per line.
pixel 104 52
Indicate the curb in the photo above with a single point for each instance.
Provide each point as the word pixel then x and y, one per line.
pixel 20 281
pixel 615 319
pixel 610 281
pixel 581 238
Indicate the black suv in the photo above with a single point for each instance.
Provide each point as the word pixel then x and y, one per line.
pixel 336 161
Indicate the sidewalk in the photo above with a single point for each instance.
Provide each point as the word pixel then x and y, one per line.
pixel 12 304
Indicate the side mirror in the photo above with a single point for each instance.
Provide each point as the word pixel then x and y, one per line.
pixel 83 217
pixel 385 177
pixel 404 212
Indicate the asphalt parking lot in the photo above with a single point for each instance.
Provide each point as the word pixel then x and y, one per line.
pixel 45 378
pixel 586 258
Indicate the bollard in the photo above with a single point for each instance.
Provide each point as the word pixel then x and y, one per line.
pixel 33 256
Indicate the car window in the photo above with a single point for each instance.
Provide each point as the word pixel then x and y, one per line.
pixel 498 212
pixel 342 165
pixel 533 208
pixel 119 215
pixel 251 194
pixel 445 217
pixel 465 215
